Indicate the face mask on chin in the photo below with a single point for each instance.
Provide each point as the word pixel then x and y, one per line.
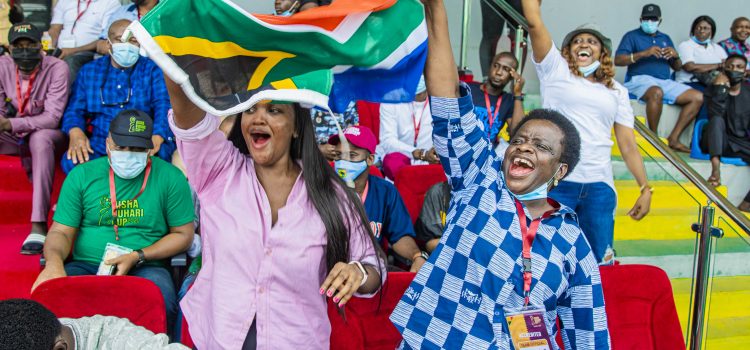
pixel 26 58
pixel 539 192
pixel 127 165
pixel 590 69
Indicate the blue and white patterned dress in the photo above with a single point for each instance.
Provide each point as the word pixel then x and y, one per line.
pixel 457 299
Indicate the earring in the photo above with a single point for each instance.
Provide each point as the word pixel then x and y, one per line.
pixel 555 183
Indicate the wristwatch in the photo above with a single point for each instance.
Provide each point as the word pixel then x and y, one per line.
pixel 141 257
pixel 361 268
pixel 519 97
pixel 422 255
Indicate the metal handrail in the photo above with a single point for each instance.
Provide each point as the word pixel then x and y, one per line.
pixel 714 196
pixel 508 11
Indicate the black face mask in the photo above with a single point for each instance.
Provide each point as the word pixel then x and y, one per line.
pixel 26 59
pixel 735 77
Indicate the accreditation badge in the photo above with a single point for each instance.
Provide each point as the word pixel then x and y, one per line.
pixel 528 330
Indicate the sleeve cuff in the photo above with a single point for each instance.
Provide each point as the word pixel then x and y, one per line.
pixel 448 107
pixel 198 132
pixel 16 126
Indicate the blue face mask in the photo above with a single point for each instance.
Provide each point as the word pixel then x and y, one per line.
pixel 128 165
pixel 539 192
pixel 650 27
pixel 590 69
pixel 704 42
pixel 125 54
pixel 348 171
pixel 286 13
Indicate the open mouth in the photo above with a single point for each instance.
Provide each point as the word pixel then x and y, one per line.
pixel 520 167
pixel 259 138
pixel 584 55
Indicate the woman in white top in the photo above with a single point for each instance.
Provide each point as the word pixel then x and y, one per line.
pixel 579 83
pixel 406 133
pixel 702 58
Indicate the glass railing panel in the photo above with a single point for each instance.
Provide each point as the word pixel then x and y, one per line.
pixel 728 300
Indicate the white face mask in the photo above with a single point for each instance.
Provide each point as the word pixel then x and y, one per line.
pixel 127 165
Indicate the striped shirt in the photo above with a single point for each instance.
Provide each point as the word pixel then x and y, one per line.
pixel 459 297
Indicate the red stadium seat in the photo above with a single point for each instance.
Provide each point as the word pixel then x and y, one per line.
pixel 412 182
pixel 369 116
pixel 374 171
pixel 640 308
pixel 367 325
pixel 135 298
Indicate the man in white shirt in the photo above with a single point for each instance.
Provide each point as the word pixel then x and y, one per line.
pixel 406 133
pixel 26 324
pixel 75 29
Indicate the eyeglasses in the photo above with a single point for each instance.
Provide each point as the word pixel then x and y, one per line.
pixel 115 104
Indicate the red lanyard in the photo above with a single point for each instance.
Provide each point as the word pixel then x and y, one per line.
pixel 113 195
pixel 80 13
pixel 490 114
pixel 24 100
pixel 528 233
pixel 418 125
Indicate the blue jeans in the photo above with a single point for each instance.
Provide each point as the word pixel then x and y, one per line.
pixel 595 204
pixel 159 275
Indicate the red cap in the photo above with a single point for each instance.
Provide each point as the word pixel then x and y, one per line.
pixel 359 136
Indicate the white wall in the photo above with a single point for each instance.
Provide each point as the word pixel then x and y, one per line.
pixel 614 18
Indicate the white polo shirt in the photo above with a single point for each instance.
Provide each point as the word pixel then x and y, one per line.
pixel 690 51
pixel 94 16
pixel 592 107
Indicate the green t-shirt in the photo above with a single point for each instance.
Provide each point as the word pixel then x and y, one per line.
pixel 85 204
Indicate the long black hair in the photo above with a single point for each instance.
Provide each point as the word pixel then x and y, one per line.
pixel 323 188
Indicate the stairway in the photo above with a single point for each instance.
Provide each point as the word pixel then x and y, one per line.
pixel 17 272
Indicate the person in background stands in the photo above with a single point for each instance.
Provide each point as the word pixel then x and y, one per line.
pixel 406 133
pixel 108 85
pixel 35 90
pixel 579 81
pixel 431 222
pixel 75 29
pixel 727 133
pixel 129 199
pixel 325 126
pixel 737 43
pixel 28 325
pixel 493 25
pixel 702 59
pixel 492 105
pixel 389 219
pixel 132 12
pixel 649 54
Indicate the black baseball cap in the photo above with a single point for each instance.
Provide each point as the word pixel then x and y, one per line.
pixel 132 128
pixel 651 11
pixel 24 30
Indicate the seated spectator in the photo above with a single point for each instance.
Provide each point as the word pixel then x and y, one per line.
pixel 132 12
pixel 153 215
pixel 649 55
pixel 108 85
pixel 491 101
pixel 309 4
pixel 737 43
pixel 75 29
pixel 431 221
pixel 325 126
pixel 28 325
pixel 285 7
pixel 406 133
pixel 701 58
pixel 35 89
pixel 384 207
pixel 728 131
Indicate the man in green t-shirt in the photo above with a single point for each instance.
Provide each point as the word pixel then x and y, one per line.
pixel 153 214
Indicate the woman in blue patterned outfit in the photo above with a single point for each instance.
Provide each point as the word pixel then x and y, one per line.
pixel 475 278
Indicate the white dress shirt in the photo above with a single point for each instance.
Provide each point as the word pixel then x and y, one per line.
pixel 399 124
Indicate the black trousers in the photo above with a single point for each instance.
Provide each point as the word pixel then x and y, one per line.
pixel 251 341
pixel 715 141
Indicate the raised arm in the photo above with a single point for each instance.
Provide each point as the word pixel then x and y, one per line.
pixel 541 42
pixel 459 140
pixel 186 113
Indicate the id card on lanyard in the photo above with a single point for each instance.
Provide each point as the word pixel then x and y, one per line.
pixel 527 326
pixel 418 122
pixel 113 195
pixel 23 99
